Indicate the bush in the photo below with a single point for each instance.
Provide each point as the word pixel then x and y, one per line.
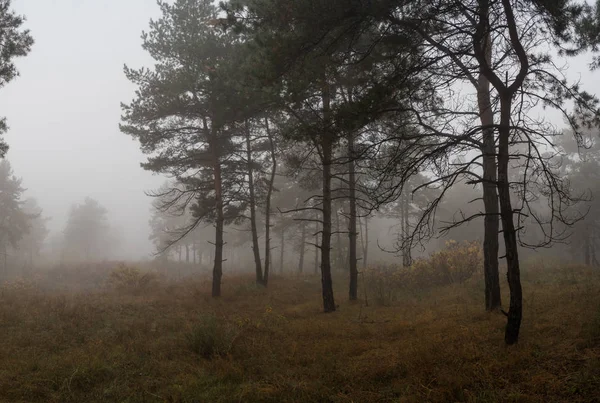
pixel 20 285
pixel 249 289
pixel 211 337
pixel 130 278
pixel 456 263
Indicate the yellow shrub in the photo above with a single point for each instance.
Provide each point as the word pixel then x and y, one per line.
pixel 125 277
pixel 456 263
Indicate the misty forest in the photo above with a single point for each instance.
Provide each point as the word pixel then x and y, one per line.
pixel 300 201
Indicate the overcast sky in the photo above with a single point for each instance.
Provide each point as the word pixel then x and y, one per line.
pixel 64 109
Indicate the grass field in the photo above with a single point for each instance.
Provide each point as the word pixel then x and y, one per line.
pixel 171 342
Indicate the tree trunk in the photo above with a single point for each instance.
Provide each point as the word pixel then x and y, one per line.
pixel 405 228
pixel 505 94
pixel 593 259
pixel 338 255
pixel 220 221
pixel 327 150
pixel 253 226
pixel 353 289
pixel 317 247
pixel 362 236
pixel 588 255
pixel 491 224
pixel 402 229
pixel 366 244
pixel 5 257
pixel 515 311
pixel 187 253
pixel 281 255
pixel 268 204
pixel 408 252
pixel 302 244
pixel 194 252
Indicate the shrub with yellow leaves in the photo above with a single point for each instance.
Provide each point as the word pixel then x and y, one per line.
pixel 21 284
pixel 456 263
pixel 130 278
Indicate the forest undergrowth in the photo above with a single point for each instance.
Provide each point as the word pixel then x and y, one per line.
pixel 138 338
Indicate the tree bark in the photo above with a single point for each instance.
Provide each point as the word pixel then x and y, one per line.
pixel 317 246
pixel 362 236
pixel 588 255
pixel 252 196
pixel 327 150
pixel 338 255
pixel 326 279
pixel 282 251
pixel 220 219
pixel 268 204
pixel 493 298
pixel 327 154
pixel 515 311
pixel 404 217
pixel 5 257
pixel 506 93
pixel 366 244
pixel 353 287
pixel 302 248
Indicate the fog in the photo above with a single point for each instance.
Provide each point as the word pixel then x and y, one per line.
pixel 63 113
pixel 64 109
pixel 299 200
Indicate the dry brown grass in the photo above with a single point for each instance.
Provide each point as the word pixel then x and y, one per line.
pixel 435 345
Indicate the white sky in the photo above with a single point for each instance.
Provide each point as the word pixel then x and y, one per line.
pixel 64 109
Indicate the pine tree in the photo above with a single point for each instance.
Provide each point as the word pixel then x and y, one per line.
pixel 14 221
pixel 14 42
pixel 87 232
pixel 185 116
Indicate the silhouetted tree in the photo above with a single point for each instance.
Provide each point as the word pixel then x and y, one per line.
pixel 14 42
pixel 14 221
pixel 185 114
pixel 32 243
pixel 87 231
